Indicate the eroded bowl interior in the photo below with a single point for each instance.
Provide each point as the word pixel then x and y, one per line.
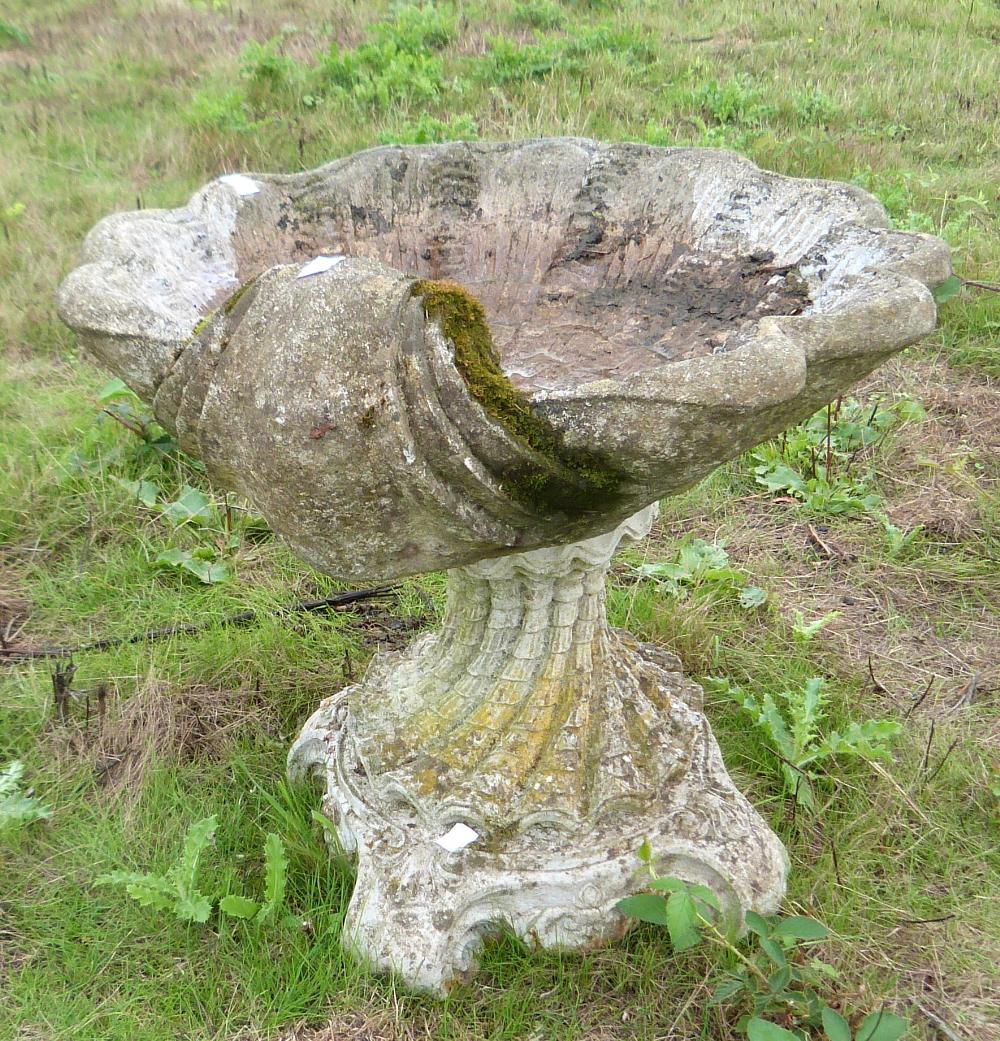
pixel 589 264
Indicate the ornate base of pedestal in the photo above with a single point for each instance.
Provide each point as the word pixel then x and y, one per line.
pixel 560 743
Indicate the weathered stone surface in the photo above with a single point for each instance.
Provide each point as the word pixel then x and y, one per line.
pixel 661 310
pixel 561 743
pixel 518 348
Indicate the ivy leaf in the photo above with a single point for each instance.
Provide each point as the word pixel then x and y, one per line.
pixel 647 907
pixel 238 906
pixel 798 927
pixel 835 1026
pixel 881 1026
pixel 763 1030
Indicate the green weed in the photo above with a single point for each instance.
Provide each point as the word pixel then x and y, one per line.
pixel 779 976
pixel 18 807
pixel 794 724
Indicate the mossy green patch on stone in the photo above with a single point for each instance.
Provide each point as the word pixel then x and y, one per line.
pixel 555 476
pixel 226 308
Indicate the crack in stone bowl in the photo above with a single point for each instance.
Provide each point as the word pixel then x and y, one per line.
pixel 655 312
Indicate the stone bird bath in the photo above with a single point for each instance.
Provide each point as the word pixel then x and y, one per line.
pixel 510 352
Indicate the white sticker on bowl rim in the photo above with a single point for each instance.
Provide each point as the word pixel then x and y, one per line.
pixel 457 837
pixel 240 183
pixel 320 264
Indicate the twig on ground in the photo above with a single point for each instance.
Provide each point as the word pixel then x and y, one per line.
pixel 927 748
pixel 882 772
pixel 937 769
pixel 988 286
pixel 335 603
pixel 923 697
pixel 937 1023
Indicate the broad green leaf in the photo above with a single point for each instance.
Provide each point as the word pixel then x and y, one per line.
pixel 705 895
pixel 194 562
pixel 172 557
pixel 190 507
pixel 682 920
pixel 780 478
pixel 950 287
pixel 238 906
pixel 777 981
pixel 114 389
pixel 669 884
pixel 145 491
pixel 728 988
pixel 757 924
pixel 645 852
pixel 647 907
pixel 208 571
pixel 773 951
pixel 764 1030
pixel 881 1026
pixel 798 927
pixel 276 865
pixel 835 1026
pixel 752 597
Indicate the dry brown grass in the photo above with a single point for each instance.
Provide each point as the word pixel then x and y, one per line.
pixel 158 724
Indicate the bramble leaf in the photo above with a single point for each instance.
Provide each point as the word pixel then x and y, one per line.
pixel 798 927
pixel 682 920
pixel 647 907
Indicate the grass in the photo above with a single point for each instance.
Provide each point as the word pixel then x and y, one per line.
pixel 117 105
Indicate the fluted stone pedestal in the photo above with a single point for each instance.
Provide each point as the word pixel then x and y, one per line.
pixel 559 742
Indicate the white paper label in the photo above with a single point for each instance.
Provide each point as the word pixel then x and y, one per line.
pixel 318 265
pixel 240 183
pixel 457 837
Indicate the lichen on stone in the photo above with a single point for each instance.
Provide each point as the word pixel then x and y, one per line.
pixel 554 476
